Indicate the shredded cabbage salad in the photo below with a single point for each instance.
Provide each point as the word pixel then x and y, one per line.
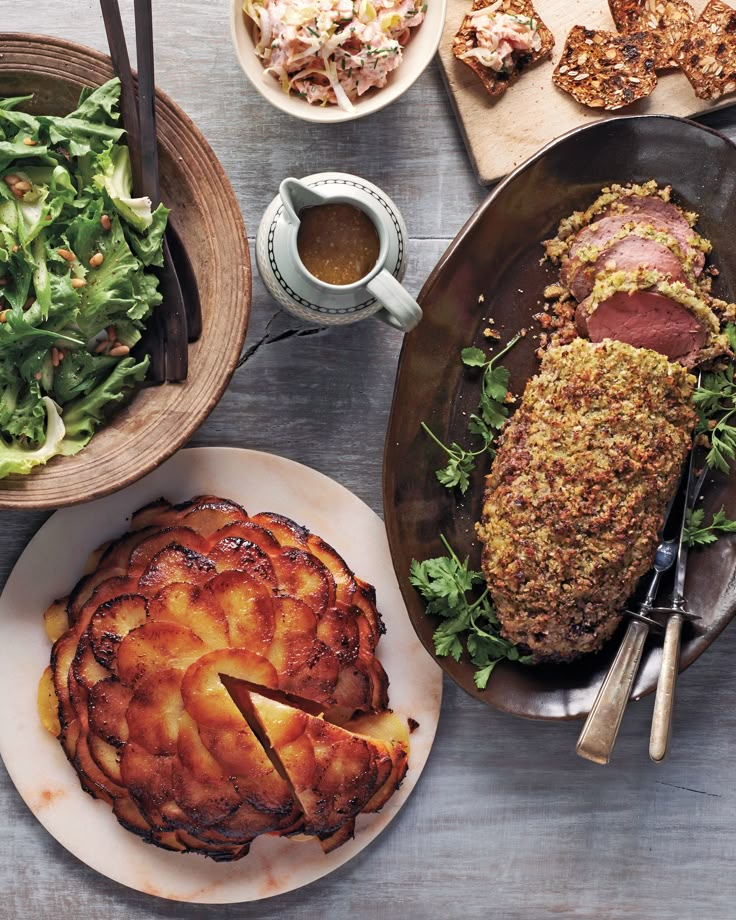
pixel 501 36
pixel 332 51
pixel 75 282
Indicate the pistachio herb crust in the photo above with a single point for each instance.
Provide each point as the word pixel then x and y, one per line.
pixel 577 493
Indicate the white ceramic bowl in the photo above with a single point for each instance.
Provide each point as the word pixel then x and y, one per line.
pixel 418 53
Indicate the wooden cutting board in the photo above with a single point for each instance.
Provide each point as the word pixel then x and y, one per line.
pixel 501 133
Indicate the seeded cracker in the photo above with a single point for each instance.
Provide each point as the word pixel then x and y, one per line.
pixel 496 83
pixel 708 54
pixel 669 22
pixel 605 70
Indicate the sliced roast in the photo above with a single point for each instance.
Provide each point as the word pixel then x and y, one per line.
pixel 644 319
pixel 631 254
pixel 660 214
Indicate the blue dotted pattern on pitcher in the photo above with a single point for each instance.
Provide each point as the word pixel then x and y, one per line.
pixel 313 306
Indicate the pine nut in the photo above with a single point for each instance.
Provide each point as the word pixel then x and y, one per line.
pixel 106 222
pixel 111 333
pixel 37 375
pixel 29 142
pixel 15 248
pixel 97 260
pixel 54 356
pixel 119 351
pixel 11 179
pixel 22 186
pixel 67 254
pixel 102 347
pixel 4 316
pixel 78 282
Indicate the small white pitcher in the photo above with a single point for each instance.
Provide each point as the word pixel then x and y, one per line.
pixel 378 293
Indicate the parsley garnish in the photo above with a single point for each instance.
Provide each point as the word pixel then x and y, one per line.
pixel 715 400
pixel 445 582
pixel 697 535
pixel 492 414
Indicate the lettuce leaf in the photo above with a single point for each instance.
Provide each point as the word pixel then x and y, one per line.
pixel 17 459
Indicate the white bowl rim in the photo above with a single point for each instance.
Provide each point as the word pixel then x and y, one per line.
pixel 333 114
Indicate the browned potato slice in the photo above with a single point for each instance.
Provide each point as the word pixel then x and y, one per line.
pixel 205 697
pixel 235 553
pixel 394 731
pixel 283 529
pixel 155 710
pixel 248 608
pixel 86 669
pixel 317 675
pixel 341 835
pixel 174 564
pixel 148 779
pixel 129 815
pixel 86 587
pixel 252 532
pixel 353 692
pixel 191 606
pixel 111 624
pixel 338 568
pixel 158 513
pixel 364 600
pixel 295 627
pixel 202 801
pixel 92 778
pixel 117 554
pixel 155 646
pixel 338 629
pixel 106 757
pixel 106 707
pixel 144 551
pixel 103 591
pixel 193 755
pixel 209 514
pixel 56 620
pixel 301 575
pixel 48 705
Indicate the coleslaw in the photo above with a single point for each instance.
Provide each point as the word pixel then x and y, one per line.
pixel 332 51
pixel 500 36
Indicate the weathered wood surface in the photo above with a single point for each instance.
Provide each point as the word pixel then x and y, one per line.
pixel 506 822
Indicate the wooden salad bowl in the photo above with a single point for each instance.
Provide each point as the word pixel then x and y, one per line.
pixel 205 214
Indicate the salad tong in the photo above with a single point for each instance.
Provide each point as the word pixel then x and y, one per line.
pixel 178 320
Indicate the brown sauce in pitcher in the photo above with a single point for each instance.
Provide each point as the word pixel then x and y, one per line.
pixel 337 243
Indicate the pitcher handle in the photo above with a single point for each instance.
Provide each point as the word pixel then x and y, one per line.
pixel 400 309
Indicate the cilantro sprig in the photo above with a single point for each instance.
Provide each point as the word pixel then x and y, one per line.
pixel 486 422
pixel 468 623
pixel 698 534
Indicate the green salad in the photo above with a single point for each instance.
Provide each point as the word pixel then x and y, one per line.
pixel 76 287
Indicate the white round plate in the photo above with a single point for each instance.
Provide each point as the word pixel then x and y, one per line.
pixel 50 566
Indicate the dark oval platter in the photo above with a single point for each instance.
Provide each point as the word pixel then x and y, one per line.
pixel 498 255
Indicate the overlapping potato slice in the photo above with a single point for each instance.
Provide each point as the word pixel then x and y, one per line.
pixel 158 649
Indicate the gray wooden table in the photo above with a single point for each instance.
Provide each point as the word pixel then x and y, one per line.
pixel 506 821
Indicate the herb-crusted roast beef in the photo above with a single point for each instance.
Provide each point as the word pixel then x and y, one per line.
pixel 578 490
